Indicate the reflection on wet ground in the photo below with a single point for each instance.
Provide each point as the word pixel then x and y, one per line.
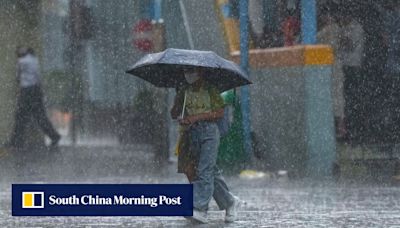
pixel 268 202
pixel 267 205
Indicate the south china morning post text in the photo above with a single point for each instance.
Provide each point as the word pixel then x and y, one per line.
pixel 102 200
pixel 116 200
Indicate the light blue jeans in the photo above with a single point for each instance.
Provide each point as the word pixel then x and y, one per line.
pixel 209 181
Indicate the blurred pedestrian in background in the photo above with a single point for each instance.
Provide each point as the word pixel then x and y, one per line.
pixel 392 66
pixel 291 24
pixel 329 34
pixel 392 37
pixel 351 54
pixel 263 34
pixel 30 99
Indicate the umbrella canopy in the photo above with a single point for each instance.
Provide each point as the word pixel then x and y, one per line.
pixel 165 69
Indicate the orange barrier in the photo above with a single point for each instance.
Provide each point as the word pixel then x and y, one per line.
pixel 288 56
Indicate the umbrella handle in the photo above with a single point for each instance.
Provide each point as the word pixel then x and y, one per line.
pixel 184 104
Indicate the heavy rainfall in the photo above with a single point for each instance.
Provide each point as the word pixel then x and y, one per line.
pixel 295 102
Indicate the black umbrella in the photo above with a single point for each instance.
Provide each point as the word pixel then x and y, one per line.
pixel 165 69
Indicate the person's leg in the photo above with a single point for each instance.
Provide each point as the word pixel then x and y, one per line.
pixel 396 108
pixel 338 100
pixel 39 113
pixel 221 194
pixel 21 120
pixel 203 185
pixel 352 91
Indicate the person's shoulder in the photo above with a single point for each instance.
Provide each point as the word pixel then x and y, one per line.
pixel 213 89
pixel 32 59
pixel 209 86
pixel 30 56
pixel 27 58
pixel 23 61
pixel 181 89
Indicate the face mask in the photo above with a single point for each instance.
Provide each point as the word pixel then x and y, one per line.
pixel 191 77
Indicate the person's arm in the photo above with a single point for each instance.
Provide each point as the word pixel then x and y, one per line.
pixel 176 109
pixel 38 71
pixel 208 116
pixel 18 72
pixel 358 37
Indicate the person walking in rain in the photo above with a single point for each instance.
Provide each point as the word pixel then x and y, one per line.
pixel 197 107
pixel 30 99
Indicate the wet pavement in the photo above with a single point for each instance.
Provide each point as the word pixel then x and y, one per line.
pixel 269 202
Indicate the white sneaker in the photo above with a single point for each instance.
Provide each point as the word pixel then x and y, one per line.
pixel 198 216
pixel 231 212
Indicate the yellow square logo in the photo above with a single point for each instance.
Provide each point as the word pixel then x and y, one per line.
pixel 32 199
